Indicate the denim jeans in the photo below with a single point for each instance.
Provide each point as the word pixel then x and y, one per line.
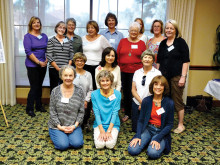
pixel 146 137
pixel 63 141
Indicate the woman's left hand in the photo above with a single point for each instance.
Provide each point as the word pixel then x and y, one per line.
pixel 69 129
pixel 155 144
pixel 108 136
pixel 182 81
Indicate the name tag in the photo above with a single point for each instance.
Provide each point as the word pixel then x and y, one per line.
pixel 64 100
pixel 170 48
pixel 112 41
pixel 158 43
pixel 160 111
pixel 112 97
pixel 65 40
pixel 134 46
pixel 39 37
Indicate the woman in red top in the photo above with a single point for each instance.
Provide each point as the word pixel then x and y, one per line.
pixel 129 52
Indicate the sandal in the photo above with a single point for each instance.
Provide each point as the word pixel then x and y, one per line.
pixel 178 131
pixel 125 118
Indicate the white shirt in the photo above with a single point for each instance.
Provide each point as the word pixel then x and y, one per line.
pixel 143 91
pixel 93 49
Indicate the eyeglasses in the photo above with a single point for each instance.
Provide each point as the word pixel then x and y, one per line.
pixel 143 80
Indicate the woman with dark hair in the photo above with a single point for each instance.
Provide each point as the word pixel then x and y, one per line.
pixel 155 121
pixel 112 34
pixel 173 62
pixel 59 53
pixel 153 43
pixel 76 39
pixel 35 45
pixel 141 35
pixel 109 62
pixel 93 45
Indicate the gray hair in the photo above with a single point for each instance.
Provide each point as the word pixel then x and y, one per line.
pixel 71 19
pixel 148 52
pixel 64 67
pixel 106 74
pixel 135 25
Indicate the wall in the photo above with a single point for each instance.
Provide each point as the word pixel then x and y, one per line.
pixel 206 20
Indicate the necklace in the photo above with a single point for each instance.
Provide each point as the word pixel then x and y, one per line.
pixel 110 92
pixel 157 103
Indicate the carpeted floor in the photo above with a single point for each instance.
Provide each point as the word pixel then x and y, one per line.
pixel 27 141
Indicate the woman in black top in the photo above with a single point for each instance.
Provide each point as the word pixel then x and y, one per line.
pixel 173 61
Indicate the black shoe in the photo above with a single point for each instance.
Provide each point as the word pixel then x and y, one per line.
pixel 31 113
pixel 41 109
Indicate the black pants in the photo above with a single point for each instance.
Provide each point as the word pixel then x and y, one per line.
pixel 36 77
pixel 91 69
pixel 54 78
pixel 126 79
pixel 87 114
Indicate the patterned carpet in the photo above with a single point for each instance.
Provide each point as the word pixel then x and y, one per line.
pixel 26 141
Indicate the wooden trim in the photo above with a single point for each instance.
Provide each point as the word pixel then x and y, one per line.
pixel 201 67
pixel 24 100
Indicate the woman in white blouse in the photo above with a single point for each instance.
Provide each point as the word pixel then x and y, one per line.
pixel 141 35
pixel 93 45
pixel 109 62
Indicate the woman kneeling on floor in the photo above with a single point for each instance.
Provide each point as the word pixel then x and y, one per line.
pixel 106 104
pixel 66 112
pixel 155 121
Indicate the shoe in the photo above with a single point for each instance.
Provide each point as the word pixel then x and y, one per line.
pixel 31 113
pixel 41 109
pixel 125 118
pixel 178 131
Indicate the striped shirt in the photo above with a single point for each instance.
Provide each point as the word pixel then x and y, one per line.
pixel 66 114
pixel 59 53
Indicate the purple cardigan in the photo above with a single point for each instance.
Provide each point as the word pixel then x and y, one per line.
pixel 35 45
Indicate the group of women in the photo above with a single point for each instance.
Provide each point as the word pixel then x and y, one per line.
pixel 109 62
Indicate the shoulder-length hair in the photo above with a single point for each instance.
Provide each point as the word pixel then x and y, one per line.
pixel 152 26
pixel 113 16
pixel 142 29
pixel 105 52
pixel 94 24
pixel 33 18
pixel 174 23
pixel 163 81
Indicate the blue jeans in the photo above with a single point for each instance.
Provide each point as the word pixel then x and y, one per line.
pixel 63 141
pixel 146 137
pixel 134 116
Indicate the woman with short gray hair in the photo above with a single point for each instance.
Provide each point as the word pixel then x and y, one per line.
pixel 106 104
pixel 66 112
pixel 76 40
pixel 129 52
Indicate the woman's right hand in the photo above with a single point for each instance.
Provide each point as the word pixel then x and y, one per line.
pixel 102 136
pixel 135 141
pixel 42 64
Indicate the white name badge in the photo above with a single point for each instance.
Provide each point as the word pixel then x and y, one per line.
pixel 112 97
pixel 160 111
pixel 39 36
pixel 134 46
pixel 64 100
pixel 112 41
pixel 170 48
pixel 65 40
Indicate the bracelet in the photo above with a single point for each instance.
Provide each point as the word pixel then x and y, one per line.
pixel 183 75
pixel 39 62
pixel 75 126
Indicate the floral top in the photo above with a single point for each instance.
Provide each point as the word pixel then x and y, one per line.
pixel 117 77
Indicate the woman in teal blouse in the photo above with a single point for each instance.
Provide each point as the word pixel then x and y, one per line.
pixel 106 104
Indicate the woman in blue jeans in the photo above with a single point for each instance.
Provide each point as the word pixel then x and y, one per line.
pixel 155 121
pixel 66 112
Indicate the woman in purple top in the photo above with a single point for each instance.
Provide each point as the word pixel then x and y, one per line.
pixel 35 45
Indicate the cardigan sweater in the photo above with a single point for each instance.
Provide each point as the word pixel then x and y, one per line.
pixel 167 119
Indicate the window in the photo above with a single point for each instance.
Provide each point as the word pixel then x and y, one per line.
pixel 52 11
